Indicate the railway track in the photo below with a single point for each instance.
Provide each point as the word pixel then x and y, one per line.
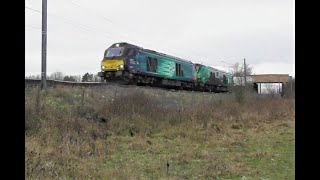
pixel 53 83
pixel 32 83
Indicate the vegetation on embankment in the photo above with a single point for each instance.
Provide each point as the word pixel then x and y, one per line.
pixel 133 133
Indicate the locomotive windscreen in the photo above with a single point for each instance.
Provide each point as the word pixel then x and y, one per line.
pixel 111 52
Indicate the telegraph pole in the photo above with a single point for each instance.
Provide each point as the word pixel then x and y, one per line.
pixel 44 47
pixel 245 71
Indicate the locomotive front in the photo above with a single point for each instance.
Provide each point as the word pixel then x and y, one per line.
pixel 113 65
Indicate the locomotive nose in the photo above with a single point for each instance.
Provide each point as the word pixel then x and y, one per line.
pixel 112 65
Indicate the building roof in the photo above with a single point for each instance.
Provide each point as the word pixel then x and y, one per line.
pixel 270 78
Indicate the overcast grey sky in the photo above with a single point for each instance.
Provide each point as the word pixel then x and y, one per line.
pixel 203 31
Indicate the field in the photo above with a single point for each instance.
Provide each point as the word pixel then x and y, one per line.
pixel 136 133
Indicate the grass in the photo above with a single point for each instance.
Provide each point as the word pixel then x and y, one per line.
pixel 133 133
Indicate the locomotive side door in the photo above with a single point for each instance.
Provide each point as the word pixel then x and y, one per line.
pixel 134 61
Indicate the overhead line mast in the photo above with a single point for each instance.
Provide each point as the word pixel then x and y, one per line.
pixel 44 47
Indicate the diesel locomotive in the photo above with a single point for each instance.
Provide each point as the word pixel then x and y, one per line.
pixel 130 64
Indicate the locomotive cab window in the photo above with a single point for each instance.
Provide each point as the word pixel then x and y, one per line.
pixel 152 64
pixel 111 52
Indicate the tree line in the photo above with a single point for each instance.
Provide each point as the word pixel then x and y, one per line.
pixel 237 70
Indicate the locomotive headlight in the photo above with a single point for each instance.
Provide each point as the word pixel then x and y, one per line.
pixel 121 66
pixel 103 67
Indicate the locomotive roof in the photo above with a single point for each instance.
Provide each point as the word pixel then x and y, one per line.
pixel 125 44
pixel 150 51
pixel 162 54
pixel 214 68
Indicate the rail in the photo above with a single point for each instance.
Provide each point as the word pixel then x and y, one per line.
pixel 31 83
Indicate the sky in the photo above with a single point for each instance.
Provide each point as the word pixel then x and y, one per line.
pixel 217 33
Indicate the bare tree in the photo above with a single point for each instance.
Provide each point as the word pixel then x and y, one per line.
pixel 78 78
pixel 237 70
pixel 272 89
pixel 57 76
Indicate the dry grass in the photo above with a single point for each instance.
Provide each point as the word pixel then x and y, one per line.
pixel 131 133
